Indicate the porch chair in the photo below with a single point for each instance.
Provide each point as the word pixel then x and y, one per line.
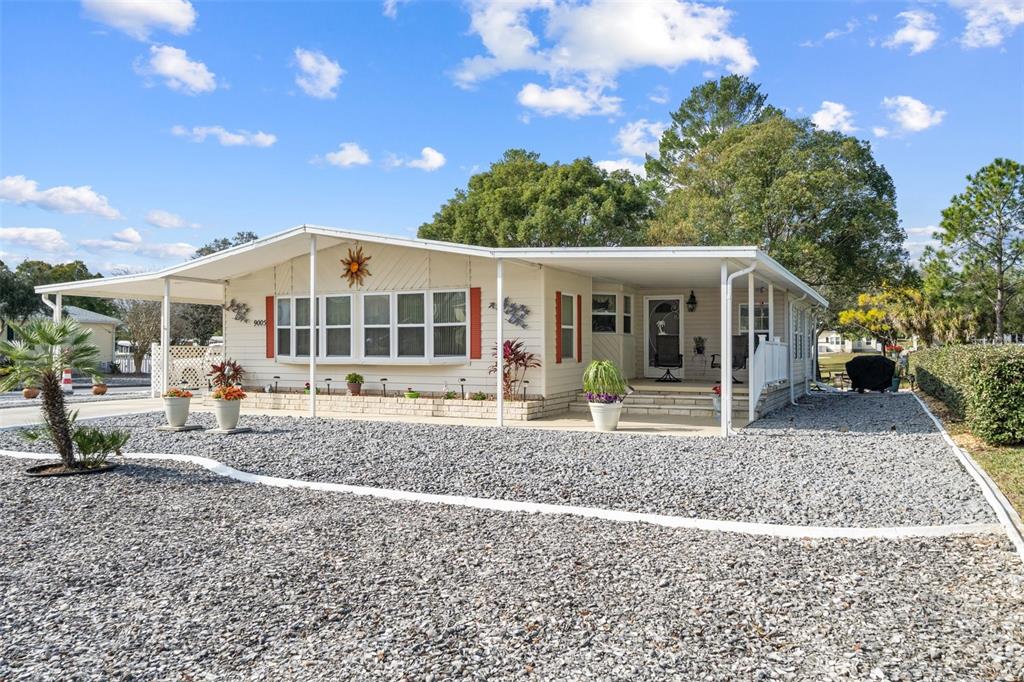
pixel 667 356
pixel 739 356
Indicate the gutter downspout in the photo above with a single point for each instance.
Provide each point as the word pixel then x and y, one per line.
pixel 727 347
pixel 792 347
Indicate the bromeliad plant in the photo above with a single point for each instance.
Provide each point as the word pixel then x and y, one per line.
pixel 515 363
pixel 227 373
pixel 603 383
pixel 41 353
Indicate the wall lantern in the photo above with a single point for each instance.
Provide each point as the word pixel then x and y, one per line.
pixel 691 303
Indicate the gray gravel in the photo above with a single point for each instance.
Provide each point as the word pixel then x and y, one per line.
pixel 14 400
pixel 164 572
pixel 799 467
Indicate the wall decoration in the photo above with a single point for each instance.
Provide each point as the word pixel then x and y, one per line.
pixel 515 313
pixel 355 267
pixel 239 309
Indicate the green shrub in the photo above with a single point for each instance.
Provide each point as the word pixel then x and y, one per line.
pixel 983 385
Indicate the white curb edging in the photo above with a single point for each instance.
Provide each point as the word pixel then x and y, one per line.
pixel 668 521
pixel 993 495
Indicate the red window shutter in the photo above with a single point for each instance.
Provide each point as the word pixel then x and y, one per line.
pixel 270 326
pixel 558 327
pixel 579 328
pixel 476 334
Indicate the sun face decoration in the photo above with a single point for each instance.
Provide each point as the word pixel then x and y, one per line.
pixel 355 267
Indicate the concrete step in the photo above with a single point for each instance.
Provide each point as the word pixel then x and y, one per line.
pixel 653 410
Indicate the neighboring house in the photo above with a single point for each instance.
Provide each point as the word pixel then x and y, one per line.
pixel 831 341
pixel 102 327
pixel 424 315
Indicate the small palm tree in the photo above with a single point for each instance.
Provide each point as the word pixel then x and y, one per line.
pixel 41 353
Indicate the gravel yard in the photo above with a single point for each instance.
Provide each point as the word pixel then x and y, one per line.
pixel 836 462
pixel 161 572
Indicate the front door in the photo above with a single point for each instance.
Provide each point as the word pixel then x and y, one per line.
pixel 663 329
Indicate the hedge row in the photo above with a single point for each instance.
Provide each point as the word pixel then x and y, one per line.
pixel 983 385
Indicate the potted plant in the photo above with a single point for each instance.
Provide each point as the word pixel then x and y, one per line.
pixel 99 387
pixel 716 399
pixel 227 401
pixel 227 373
pixel 411 394
pixel 29 390
pixel 605 388
pixel 176 404
pixel 43 350
pixel 306 389
pixel 354 382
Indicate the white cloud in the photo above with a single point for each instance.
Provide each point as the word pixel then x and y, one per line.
pixel 879 131
pixel 129 235
pixel 622 164
pixel 130 241
pixel 180 73
pixel 659 95
pixel 926 231
pixel 918 31
pixel 44 239
pixel 320 75
pixel 391 7
pixel 847 29
pixel 138 18
pixel 568 101
pixel 912 115
pixel 64 199
pixel 350 154
pixel 989 22
pixel 834 116
pixel 227 138
pixel 430 160
pixel 586 46
pixel 167 220
pixel 918 238
pixel 640 137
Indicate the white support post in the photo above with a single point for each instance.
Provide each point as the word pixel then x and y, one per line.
pixel 58 308
pixel 312 325
pixel 750 346
pixel 224 326
pixel 771 312
pixel 726 360
pixel 165 338
pixel 500 336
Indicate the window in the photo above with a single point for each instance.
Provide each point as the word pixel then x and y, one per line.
pixel 568 328
pixel 302 327
pixel 602 312
pixel 284 326
pixel 451 324
pixel 627 314
pixel 377 325
pixel 337 319
pixel 412 326
pixel 760 318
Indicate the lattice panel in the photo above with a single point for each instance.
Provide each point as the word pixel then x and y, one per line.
pixel 188 365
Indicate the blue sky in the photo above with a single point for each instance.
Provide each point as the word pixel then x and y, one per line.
pixel 131 132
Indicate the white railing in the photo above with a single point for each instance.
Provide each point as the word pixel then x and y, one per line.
pixel 768 367
pixel 187 368
pixel 126 363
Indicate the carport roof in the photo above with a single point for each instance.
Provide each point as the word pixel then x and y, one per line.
pixel 202 280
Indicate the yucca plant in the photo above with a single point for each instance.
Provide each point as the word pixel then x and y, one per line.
pixel 43 349
pixel 603 382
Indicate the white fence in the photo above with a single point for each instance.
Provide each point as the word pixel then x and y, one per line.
pixel 126 363
pixel 768 366
pixel 187 367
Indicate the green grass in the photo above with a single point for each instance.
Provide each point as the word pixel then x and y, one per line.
pixel 1004 464
pixel 834 362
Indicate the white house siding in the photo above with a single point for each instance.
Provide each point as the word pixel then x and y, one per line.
pixel 617 346
pixel 565 378
pixel 102 336
pixel 392 268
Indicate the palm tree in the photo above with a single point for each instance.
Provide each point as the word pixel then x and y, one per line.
pixel 41 353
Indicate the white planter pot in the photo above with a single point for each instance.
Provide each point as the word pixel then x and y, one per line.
pixel 226 412
pixel 176 410
pixel 605 415
pixel 716 403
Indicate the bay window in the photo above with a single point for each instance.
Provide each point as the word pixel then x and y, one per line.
pixel 412 326
pixel 337 331
pixel 377 325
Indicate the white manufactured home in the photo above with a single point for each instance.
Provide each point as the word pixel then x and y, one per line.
pixel 427 315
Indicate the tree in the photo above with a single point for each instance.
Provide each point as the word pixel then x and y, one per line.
pixel 816 201
pixel 522 201
pixel 142 323
pixel 18 299
pixel 982 235
pixel 37 272
pixel 222 243
pixel 44 349
pixel 710 110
